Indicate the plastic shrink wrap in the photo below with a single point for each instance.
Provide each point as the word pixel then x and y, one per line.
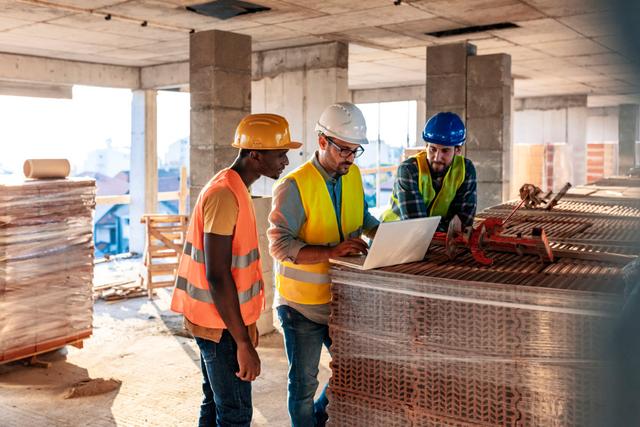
pixel 46 264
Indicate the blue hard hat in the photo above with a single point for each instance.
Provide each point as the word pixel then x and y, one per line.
pixel 445 129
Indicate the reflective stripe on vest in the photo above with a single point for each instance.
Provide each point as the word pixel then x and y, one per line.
pixel 203 295
pixel 237 261
pixel 450 185
pixel 302 275
pixel 310 283
pixel 191 294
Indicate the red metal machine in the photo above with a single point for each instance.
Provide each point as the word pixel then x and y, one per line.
pixel 487 235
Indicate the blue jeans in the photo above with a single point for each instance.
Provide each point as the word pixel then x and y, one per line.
pixel 303 341
pixel 227 399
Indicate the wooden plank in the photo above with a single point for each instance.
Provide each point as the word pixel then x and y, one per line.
pixel 124 199
pixel 155 268
pixel 163 239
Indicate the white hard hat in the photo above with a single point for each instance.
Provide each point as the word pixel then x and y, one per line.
pixel 344 121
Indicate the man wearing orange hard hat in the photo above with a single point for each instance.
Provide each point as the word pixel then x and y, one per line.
pixel 219 287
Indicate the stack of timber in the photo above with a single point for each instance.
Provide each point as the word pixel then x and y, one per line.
pixel 46 265
pixel 446 342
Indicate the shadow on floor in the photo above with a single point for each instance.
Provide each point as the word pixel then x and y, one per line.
pixel 31 395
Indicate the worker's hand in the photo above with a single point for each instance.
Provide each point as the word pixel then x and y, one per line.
pixel 352 246
pixel 248 362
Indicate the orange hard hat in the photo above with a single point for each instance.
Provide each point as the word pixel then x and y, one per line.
pixel 264 132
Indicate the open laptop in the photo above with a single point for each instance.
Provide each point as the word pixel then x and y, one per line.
pixel 396 242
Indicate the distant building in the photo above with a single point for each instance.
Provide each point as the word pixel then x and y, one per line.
pixel 177 155
pixel 108 160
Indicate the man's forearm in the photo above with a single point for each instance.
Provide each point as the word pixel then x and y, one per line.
pixel 225 298
pixel 312 254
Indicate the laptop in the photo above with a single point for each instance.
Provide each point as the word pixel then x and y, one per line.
pixel 395 242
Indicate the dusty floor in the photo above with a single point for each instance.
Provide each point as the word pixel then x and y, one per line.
pixel 134 341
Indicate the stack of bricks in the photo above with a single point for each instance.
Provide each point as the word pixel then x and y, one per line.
pixel 46 265
pixel 454 343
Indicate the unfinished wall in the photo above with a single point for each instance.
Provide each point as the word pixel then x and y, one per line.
pixel 558 125
pixel 298 83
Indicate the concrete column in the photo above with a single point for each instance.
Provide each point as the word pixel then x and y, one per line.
pixel 299 83
pixel 628 136
pixel 576 156
pixel 447 78
pixel 421 119
pixel 143 182
pixel 488 107
pixel 262 207
pixel 220 86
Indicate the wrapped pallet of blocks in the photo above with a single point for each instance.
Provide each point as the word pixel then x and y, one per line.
pixel 46 264
pixel 452 343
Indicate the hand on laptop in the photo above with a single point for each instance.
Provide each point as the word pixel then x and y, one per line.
pixel 351 246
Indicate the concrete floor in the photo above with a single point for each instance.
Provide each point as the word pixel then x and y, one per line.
pixel 137 342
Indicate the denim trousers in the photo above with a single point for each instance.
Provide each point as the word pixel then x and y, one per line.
pixel 227 399
pixel 303 342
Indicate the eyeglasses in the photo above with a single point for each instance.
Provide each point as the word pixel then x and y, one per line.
pixel 345 152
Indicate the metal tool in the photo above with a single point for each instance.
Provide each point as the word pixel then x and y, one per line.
pixel 487 235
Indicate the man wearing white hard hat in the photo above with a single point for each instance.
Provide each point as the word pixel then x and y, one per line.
pixel 318 212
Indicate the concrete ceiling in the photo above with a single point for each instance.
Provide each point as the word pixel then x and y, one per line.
pixel 560 47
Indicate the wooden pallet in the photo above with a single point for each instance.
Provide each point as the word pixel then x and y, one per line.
pixel 165 237
pixel 13 354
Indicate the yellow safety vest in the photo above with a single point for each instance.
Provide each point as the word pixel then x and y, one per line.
pixel 310 283
pixel 452 182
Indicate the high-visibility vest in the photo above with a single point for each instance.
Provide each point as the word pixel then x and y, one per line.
pixel 191 295
pixel 440 206
pixel 310 283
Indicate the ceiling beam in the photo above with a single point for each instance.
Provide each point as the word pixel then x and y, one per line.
pixel 165 76
pixel 389 94
pixel 35 69
pixel 36 90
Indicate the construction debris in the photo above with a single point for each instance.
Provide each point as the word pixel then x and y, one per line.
pixel 46 264
pixel 92 387
pixel 119 291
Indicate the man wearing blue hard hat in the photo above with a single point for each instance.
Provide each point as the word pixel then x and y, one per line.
pixel 438 181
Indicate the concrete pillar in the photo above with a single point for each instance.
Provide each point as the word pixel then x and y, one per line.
pixel 262 207
pixel 628 136
pixel 299 83
pixel 576 158
pixel 143 182
pixel 220 86
pixel 447 78
pixel 421 119
pixel 489 94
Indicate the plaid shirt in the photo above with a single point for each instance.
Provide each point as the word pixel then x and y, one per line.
pixel 411 203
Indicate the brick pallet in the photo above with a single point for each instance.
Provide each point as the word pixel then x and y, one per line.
pixel 452 343
pixel 46 265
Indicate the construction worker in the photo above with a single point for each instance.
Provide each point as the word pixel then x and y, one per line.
pixel 219 287
pixel 318 212
pixel 438 181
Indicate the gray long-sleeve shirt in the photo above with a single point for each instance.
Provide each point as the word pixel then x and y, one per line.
pixel 286 219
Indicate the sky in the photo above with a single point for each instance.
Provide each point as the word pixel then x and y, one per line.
pixel 71 128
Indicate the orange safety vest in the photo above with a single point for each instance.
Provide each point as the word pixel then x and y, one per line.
pixel 191 295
